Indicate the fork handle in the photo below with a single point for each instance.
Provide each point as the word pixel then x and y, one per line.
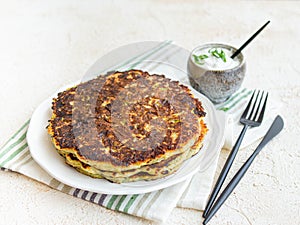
pixel 225 171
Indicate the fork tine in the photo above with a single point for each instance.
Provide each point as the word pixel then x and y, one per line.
pixel 253 107
pixel 258 107
pixel 261 116
pixel 248 106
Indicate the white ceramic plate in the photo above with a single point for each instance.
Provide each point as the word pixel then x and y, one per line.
pixel 45 155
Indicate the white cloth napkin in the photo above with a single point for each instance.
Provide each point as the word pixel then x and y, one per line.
pixel 157 205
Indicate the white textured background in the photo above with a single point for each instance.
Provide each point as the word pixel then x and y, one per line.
pixel 47 44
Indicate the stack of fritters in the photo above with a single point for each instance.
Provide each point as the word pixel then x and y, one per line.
pixel 127 126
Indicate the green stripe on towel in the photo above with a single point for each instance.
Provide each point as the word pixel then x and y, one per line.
pixel 17 132
pixel 130 202
pixel 18 141
pixel 233 101
pixel 122 199
pixel 14 154
pixel 150 52
pixel 145 57
pixel 111 201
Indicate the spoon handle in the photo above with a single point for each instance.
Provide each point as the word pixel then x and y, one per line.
pixel 249 40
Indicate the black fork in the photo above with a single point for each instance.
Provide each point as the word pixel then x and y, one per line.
pixel 251 117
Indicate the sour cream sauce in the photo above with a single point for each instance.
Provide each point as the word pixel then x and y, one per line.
pixel 214 63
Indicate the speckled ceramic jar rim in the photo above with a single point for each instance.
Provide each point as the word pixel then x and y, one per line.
pixel 222 45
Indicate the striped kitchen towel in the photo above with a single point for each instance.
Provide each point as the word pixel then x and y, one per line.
pixel 157 205
pixel 15 156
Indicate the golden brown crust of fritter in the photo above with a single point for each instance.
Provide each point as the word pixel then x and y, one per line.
pixel 126 119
